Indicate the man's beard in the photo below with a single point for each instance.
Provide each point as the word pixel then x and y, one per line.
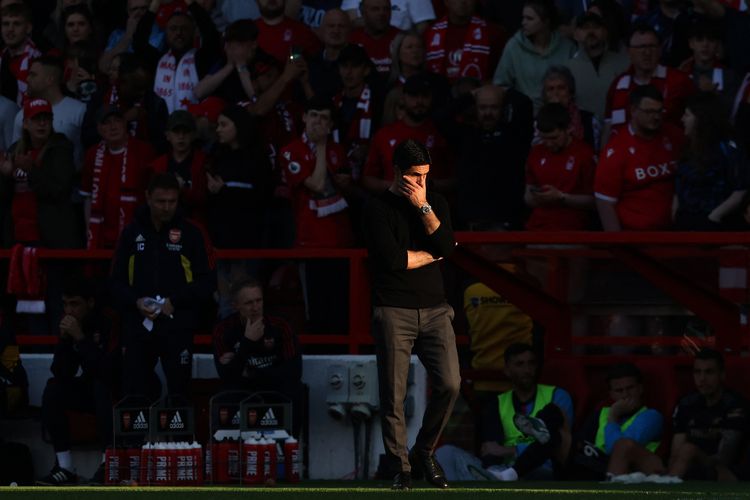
pixel 594 45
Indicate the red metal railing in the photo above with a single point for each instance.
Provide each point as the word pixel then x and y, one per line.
pixel 644 252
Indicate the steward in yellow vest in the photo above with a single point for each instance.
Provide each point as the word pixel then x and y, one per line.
pixel 623 437
pixel 526 431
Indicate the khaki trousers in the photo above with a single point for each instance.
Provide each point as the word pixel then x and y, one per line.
pixel 430 334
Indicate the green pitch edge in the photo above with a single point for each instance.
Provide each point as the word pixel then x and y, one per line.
pixel 316 491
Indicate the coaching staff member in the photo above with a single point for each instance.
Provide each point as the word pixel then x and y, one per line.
pixel 160 254
pixel 408 231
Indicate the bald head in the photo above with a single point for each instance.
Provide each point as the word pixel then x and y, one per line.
pixel 334 28
pixel 489 101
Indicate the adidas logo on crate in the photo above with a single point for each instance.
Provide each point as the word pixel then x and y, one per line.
pixel 140 422
pixel 177 423
pixel 269 419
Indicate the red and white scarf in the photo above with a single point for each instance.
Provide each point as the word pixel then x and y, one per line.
pixel 360 129
pixel 476 50
pixel 175 81
pixel 21 69
pixel 717 73
pixel 127 200
pixel 330 201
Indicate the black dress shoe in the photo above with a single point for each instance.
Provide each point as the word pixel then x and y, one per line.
pixel 429 468
pixel 402 481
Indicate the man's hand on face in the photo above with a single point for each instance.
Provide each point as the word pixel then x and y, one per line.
pixel 237 54
pixel 621 408
pixel 70 327
pixel 319 134
pixel 411 190
pixel 254 331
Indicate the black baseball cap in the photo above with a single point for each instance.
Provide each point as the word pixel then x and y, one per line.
pixel 181 119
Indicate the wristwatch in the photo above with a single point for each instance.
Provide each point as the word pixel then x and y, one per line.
pixel 425 209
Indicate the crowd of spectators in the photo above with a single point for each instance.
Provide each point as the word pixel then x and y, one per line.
pixel 186 125
pixel 465 77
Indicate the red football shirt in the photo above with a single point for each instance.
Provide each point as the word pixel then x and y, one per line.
pixel 322 219
pixel 279 40
pixel 571 171
pixel 638 175
pixel 379 50
pixel 380 157
pixel 674 85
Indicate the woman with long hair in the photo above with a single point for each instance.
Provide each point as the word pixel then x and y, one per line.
pixel 80 51
pixel 36 181
pixel 407 57
pixel 239 181
pixel 78 24
pixel 535 47
pixel 711 179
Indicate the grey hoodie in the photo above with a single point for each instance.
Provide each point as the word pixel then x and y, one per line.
pixel 522 67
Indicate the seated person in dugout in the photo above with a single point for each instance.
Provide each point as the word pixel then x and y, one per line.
pixel 85 376
pixel 709 429
pixel 710 425
pixel 616 440
pixel 513 445
pixel 254 351
pixel 622 437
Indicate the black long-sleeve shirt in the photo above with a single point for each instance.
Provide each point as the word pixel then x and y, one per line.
pixel 394 226
pixel 236 212
pixel 97 354
pixel 173 263
pixel 270 361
